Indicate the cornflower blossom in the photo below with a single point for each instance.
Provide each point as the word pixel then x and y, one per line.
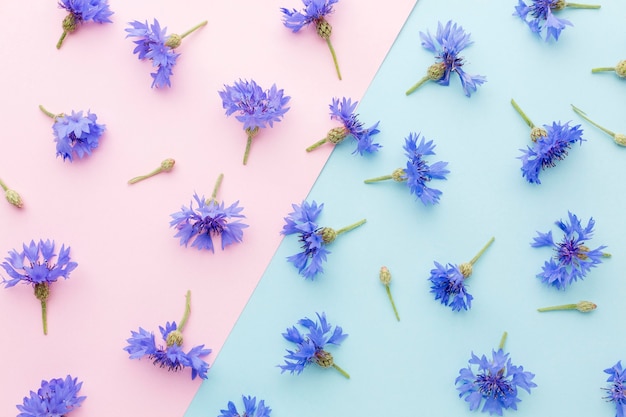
pixel 251 408
pixel 448 282
pixel 550 144
pixel 56 397
pixel 572 259
pixel 81 11
pixel 344 111
pixel 314 238
pixel 38 265
pixel 11 195
pixel 615 393
pixel 171 356
pixel 495 382
pixel 618 138
pixel 254 107
pixel 539 14
pixel 418 172
pixel 75 135
pixel 311 346
pixel 449 41
pixel 208 220
pixel 315 11
pixel 155 45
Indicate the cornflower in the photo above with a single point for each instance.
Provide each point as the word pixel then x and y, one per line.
pixel 81 11
pixel 166 166
pixel 56 397
pixel 251 408
pixel 582 306
pixel 11 195
pixel 618 138
pixel 385 278
pixel 616 390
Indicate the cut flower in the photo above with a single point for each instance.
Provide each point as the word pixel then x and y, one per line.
pixel 81 11
pixel 251 408
pixel 56 397
pixel 617 378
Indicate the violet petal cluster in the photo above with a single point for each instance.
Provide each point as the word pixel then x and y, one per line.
pixel 539 14
pixel 344 111
pixel 250 406
pixel 418 172
pixel 314 10
pixel 448 286
pixel 77 135
pixel 615 393
pixel 55 398
pixel 88 10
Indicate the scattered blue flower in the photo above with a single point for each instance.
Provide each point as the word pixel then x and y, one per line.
pixel 448 285
pixel 77 135
pixel 81 11
pixel 55 398
pixel 540 14
pixel 251 409
pixel 310 346
pixel 344 111
pixel 617 377
pixel 572 260
pixel 496 382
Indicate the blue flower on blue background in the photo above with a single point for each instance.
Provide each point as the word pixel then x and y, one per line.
pixel 314 10
pixel 418 173
pixel 310 346
pixel 572 259
pixel 81 11
pixel 56 397
pixel 495 383
pixel 251 409
pixel 616 391
pixel 448 285
pixel 448 42
pixel 541 15
pixel 76 135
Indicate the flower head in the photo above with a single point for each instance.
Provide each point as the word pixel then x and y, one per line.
pixel 448 286
pixel 81 11
pixel 56 397
pixel 344 111
pixel 617 377
pixel 418 173
pixel 314 11
pixel 572 259
pixel 539 14
pixel 76 135
pixel 251 408
pixel 494 384
pixel 310 346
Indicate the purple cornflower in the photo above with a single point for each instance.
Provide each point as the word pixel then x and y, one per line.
pixel 254 107
pixel 251 408
pixel 302 221
pixel 170 356
pixel 75 135
pixel 81 11
pixel 310 346
pixel 448 282
pixel 343 111
pixel 449 41
pixel 495 384
pixel 36 265
pixel 541 15
pixel 418 172
pixel 616 390
pixel 155 45
pixel 314 11
pixel 208 220
pixel 572 259
pixel 56 397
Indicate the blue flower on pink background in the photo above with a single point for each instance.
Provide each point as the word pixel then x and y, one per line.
pixel 615 393
pixel 55 398
pixel 344 111
pixel 77 135
pixel 251 408
pixel 81 11
pixel 314 10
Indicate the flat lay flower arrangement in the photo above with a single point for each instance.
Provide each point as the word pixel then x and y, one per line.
pixel 490 383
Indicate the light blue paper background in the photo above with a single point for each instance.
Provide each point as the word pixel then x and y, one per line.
pixel 409 367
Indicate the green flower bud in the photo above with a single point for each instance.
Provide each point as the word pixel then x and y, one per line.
pixel 14 198
pixel 384 275
pixel 620 139
pixel 69 23
pixel 324 29
pixel 173 41
pixel 337 135
pixel 586 306
pixel 620 69
pixel 436 71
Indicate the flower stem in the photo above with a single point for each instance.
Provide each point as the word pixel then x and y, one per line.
pixel 392 303
pixel 478 255
pixel 217 186
pixel 521 113
pixel 332 52
pixel 44 316
pixel 583 307
pixel 61 39
pixel 417 85
pixel 47 113
pixel 317 144
pixel 183 322
pixel 352 226
pixel 582 6
pixel 602 69
pixel 376 179
pixel 198 26
pixel 502 340
pixel 3 185
pixel 561 307
pixel 341 371
pixel 584 116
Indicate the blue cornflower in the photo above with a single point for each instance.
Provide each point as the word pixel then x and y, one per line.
pixel 155 45
pixel 310 346
pixel 80 11
pixel 448 282
pixel 418 172
pixel 616 391
pixel 55 398
pixel 172 356
pixel 541 15
pixel 572 259
pixel 251 409
pixel 449 41
pixel 496 382
pixel 315 11
pixel 343 111
pixel 208 220
pixel 302 221
pixel 75 135
pixel 36 265
pixel 254 107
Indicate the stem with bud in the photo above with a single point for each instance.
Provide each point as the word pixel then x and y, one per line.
pixel 165 166
pixel 583 307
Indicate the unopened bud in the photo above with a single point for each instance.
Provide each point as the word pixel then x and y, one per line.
pixel 620 69
pixel 384 275
pixel 14 198
pixel 585 306
pixel 620 139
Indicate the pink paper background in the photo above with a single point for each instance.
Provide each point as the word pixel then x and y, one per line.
pixel 132 272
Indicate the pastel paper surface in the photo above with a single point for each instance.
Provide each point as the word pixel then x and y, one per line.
pixel 397 368
pixel 132 271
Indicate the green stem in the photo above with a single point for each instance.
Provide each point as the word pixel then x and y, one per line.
pixel 602 69
pixel 247 151
pixel 183 322
pixel 521 113
pixel 46 112
pixel 582 6
pixel 3 185
pixel 317 144
pixel 143 177
pixel 561 307
pixel 332 52
pixel 198 26
pixel 341 371
pixel 392 303
pixel 376 179
pixel 61 39
pixel 44 316
pixel 417 85
pixel 478 255
pixel 584 116
pixel 217 186
pixel 502 340
pixel 352 226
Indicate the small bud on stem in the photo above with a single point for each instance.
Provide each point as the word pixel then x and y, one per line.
pixel 165 166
